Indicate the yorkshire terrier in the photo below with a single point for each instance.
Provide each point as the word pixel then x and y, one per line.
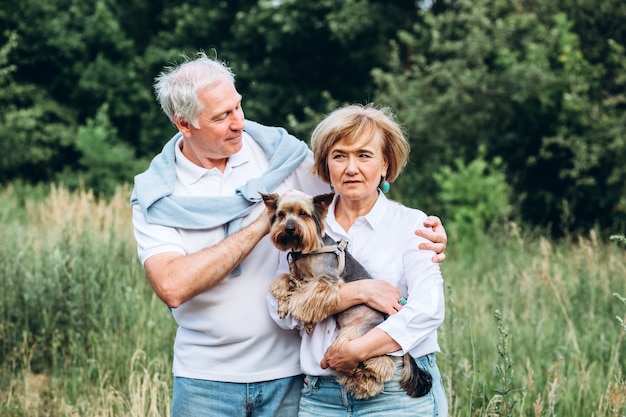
pixel 310 292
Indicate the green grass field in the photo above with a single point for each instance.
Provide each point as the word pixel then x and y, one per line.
pixel 532 327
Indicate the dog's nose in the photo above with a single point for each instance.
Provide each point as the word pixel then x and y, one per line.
pixel 290 228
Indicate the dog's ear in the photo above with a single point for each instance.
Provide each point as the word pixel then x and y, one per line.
pixel 271 201
pixel 321 203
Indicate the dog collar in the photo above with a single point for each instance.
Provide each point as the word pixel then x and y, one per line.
pixel 339 249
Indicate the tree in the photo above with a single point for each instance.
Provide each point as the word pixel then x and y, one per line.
pixel 297 60
pixel 105 161
pixel 34 129
pixel 506 76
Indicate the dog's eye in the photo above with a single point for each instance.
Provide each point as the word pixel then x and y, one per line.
pixel 303 213
pixel 280 214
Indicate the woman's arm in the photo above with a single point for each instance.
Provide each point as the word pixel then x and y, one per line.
pixel 383 296
pixel 346 358
pixel 400 331
pixel 378 294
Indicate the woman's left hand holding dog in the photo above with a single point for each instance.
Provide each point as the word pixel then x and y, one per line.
pixel 346 357
pixel 342 358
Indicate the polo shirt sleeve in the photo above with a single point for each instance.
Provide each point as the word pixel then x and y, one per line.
pixel 154 239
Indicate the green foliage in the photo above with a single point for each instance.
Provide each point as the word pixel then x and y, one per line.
pixel 548 360
pixel 71 58
pixel 475 197
pixel 5 68
pixel 620 319
pixel 292 58
pixel 105 161
pixel 507 76
pixel 75 306
pixel 504 401
pixel 539 84
pixel 34 129
pixel 620 408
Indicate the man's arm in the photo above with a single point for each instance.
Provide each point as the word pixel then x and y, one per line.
pixel 176 278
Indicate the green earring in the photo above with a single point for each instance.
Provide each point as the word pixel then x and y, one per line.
pixel 385 186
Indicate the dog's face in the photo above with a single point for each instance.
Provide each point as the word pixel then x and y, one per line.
pixel 297 220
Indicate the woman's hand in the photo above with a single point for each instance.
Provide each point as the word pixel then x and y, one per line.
pixel 346 357
pixel 341 358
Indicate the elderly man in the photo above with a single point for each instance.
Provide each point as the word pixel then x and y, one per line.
pixel 201 237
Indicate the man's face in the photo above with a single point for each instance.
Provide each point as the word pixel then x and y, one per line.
pixel 220 126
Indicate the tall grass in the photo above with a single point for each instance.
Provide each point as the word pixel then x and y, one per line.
pixel 532 329
pixel 81 332
pixel 532 326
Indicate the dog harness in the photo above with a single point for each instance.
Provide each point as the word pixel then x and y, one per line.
pixel 339 249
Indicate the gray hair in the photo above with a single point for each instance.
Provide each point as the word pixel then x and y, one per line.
pixel 177 86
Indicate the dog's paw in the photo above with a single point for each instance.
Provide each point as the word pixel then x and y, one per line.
pixel 369 378
pixel 308 327
pixel 312 309
pixel 283 309
pixel 306 314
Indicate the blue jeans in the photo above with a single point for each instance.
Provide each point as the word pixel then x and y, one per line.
pixel 200 398
pixel 324 397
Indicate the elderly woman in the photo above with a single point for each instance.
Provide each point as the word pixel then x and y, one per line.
pixel 359 151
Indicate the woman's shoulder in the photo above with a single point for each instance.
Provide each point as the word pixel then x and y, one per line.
pixel 404 214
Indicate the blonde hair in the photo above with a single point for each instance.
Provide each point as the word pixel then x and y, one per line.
pixel 351 123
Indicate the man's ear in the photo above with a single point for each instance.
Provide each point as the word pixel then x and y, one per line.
pixel 183 126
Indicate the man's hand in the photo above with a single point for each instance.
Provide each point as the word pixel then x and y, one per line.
pixel 263 222
pixel 437 237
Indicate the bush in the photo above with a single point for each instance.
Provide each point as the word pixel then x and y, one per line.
pixel 475 196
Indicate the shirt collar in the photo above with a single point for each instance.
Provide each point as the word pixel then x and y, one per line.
pixel 374 218
pixel 192 173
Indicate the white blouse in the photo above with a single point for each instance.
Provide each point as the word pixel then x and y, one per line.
pixel 384 242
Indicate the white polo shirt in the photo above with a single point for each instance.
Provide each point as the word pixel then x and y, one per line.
pixel 226 333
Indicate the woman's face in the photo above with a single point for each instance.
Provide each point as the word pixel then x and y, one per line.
pixel 356 169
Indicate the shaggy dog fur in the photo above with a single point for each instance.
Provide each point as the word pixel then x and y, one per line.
pixel 310 292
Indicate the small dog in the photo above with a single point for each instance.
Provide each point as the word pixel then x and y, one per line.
pixel 310 292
